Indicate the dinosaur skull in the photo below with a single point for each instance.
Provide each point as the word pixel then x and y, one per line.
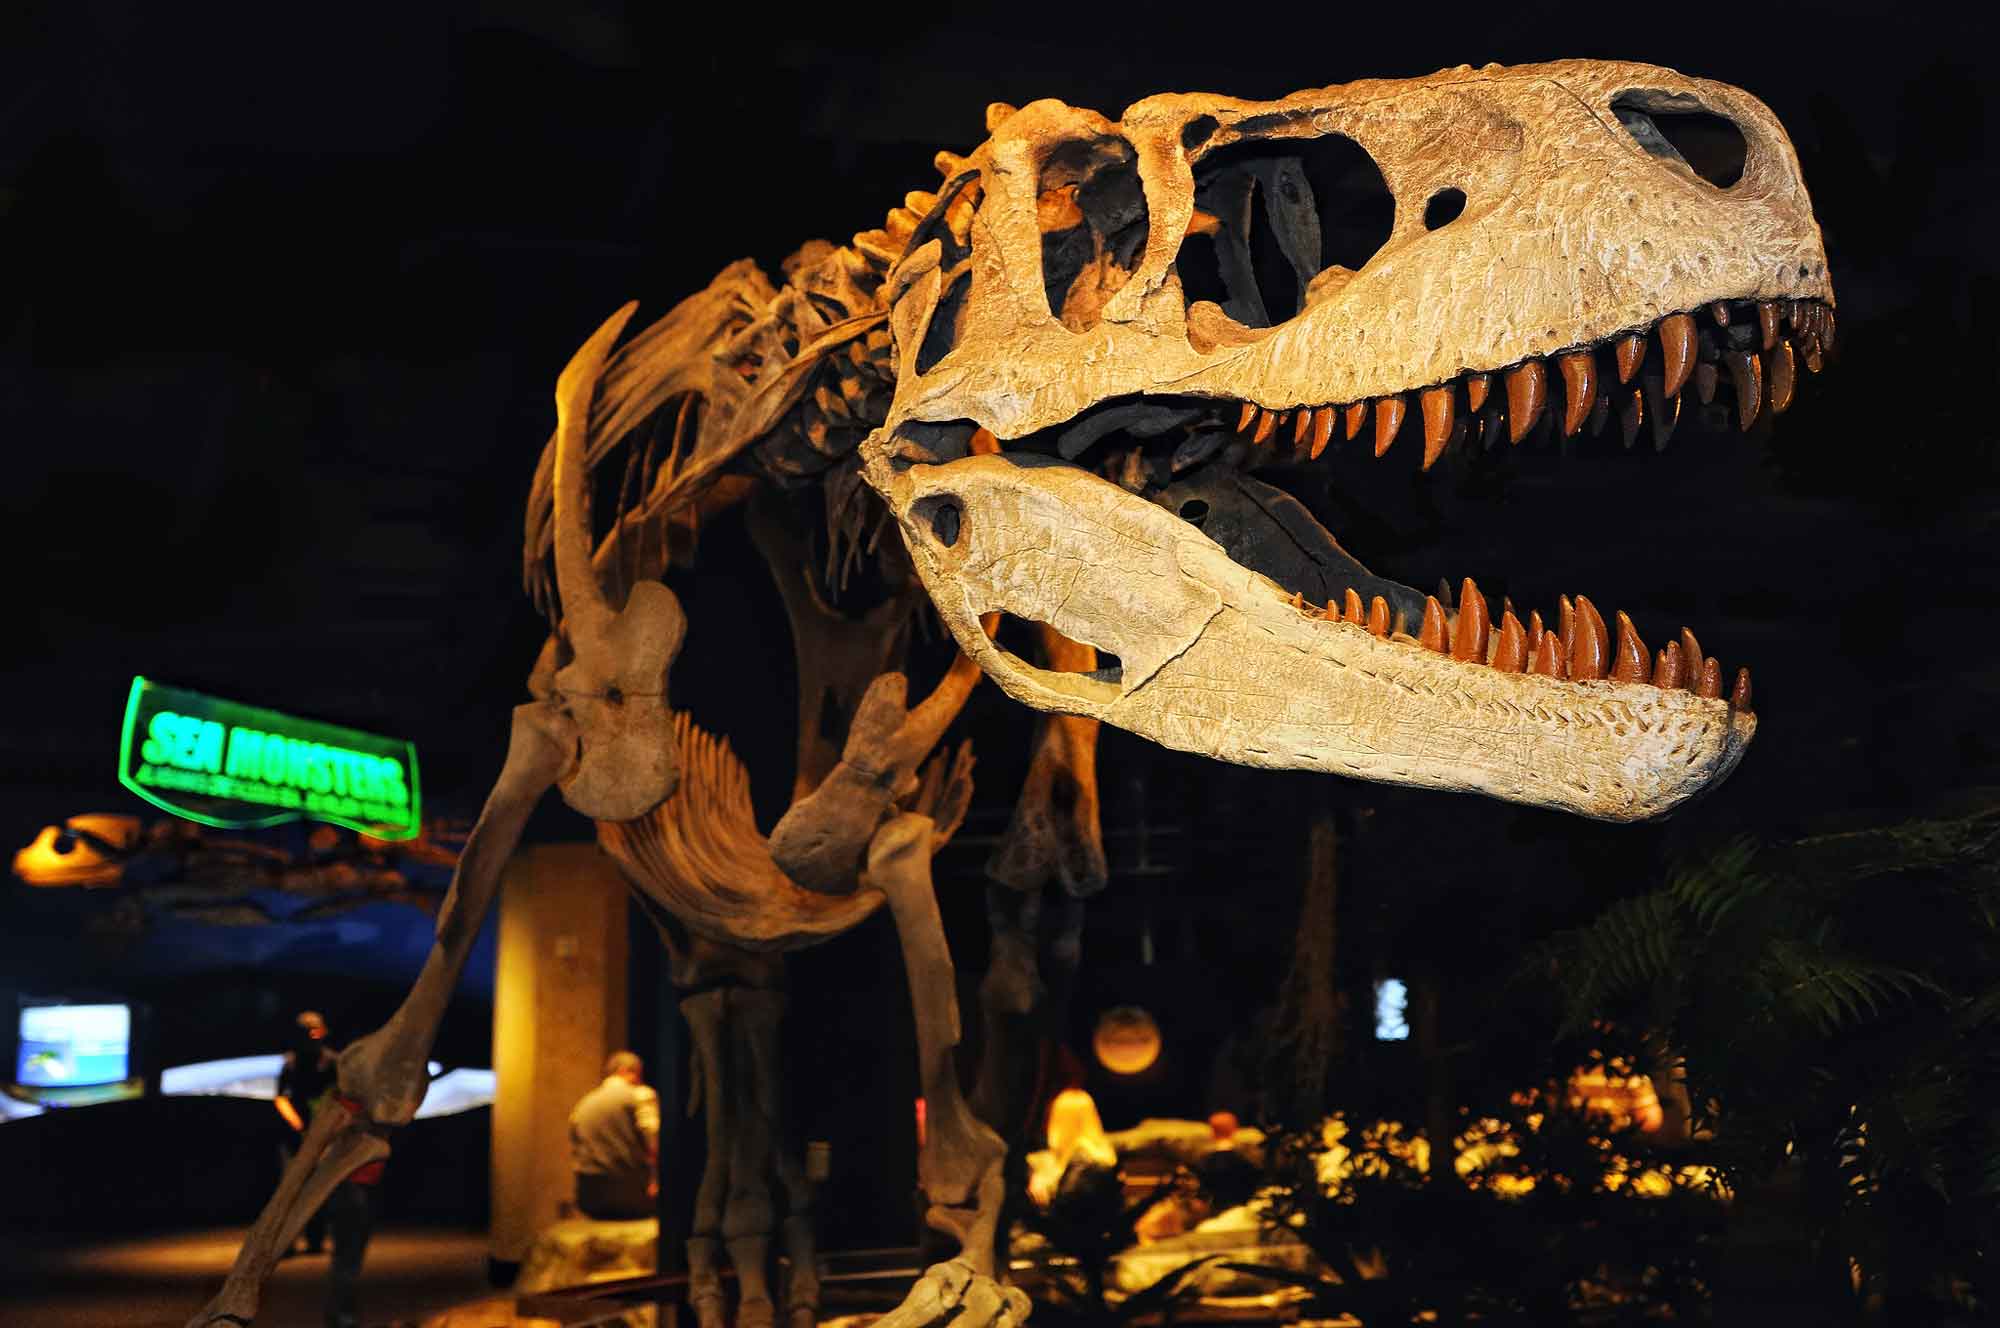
pixel 615 683
pixel 1189 272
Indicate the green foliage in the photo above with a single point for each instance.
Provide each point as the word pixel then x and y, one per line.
pixel 1836 1004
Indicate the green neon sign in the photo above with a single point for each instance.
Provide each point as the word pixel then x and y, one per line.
pixel 226 764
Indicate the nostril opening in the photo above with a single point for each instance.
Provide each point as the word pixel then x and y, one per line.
pixel 1676 127
pixel 1194 511
pixel 614 694
pixel 1444 208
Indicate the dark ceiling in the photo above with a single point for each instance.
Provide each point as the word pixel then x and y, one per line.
pixel 283 293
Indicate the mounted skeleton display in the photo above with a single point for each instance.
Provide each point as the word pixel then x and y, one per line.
pixel 1037 393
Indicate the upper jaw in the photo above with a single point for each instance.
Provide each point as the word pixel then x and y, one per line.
pixel 1214 658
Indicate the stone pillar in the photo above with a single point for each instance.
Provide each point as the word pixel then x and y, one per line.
pixel 559 1008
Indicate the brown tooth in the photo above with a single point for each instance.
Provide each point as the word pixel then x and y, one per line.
pixel 1600 413
pixel 1438 408
pixel 1579 371
pixel 1322 430
pixel 1631 662
pixel 1677 340
pixel 1244 420
pixel 1662 411
pixel 1631 414
pixel 1389 413
pixel 1469 640
pixel 1298 599
pixel 1565 623
pixel 1719 311
pixel 1357 415
pixel 1629 349
pixel 1781 375
pixel 1527 394
pixel 1710 686
pixel 1746 371
pixel 1767 323
pixel 1535 630
pixel 1590 648
pixel 1265 425
pixel 1690 659
pixel 1739 695
pixel 1431 635
pixel 1355 613
pixel 1704 383
pixel 1810 353
pixel 1547 659
pixel 1378 616
pixel 1510 652
pixel 1667 669
pixel 1300 424
pixel 1477 385
pixel 1825 329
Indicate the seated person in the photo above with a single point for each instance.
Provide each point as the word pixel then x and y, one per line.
pixel 614 1143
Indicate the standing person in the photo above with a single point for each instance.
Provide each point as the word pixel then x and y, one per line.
pixel 351 1207
pixel 614 1142
pixel 308 1073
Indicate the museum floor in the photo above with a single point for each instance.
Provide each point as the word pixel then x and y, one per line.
pixel 157 1281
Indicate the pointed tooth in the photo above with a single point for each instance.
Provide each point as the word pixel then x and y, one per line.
pixel 1719 311
pixel 1565 623
pixel 1825 326
pixel 1547 659
pixel 1704 383
pixel 1535 630
pixel 1767 323
pixel 1631 661
pixel 1444 594
pixel 1431 635
pixel 1298 599
pixel 1667 669
pixel 1389 413
pixel 1357 415
pixel 1527 394
pixel 1630 350
pixel 1809 351
pixel 1468 640
pixel 1590 648
pixel 1322 430
pixel 1739 695
pixel 1248 417
pixel 1355 613
pixel 1477 385
pixel 1510 652
pixel 1438 409
pixel 1662 412
pixel 1265 425
pixel 1710 685
pixel 1579 373
pixel 1600 413
pixel 1781 376
pixel 1677 341
pixel 1300 424
pixel 1631 414
pixel 1690 659
pixel 1330 612
pixel 1746 371
pixel 1378 616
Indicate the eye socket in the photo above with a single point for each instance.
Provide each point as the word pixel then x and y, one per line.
pixel 1194 511
pixel 1444 208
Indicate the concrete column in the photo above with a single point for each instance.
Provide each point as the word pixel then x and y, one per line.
pixel 559 1008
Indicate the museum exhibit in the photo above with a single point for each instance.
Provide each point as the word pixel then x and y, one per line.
pixel 736 670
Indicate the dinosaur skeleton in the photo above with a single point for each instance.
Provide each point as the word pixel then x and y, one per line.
pixel 1050 377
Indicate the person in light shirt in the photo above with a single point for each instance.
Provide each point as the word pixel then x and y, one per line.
pixel 614 1142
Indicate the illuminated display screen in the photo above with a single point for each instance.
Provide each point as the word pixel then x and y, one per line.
pixel 226 764
pixel 74 1046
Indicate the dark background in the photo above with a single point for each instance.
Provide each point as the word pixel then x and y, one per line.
pixel 283 293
